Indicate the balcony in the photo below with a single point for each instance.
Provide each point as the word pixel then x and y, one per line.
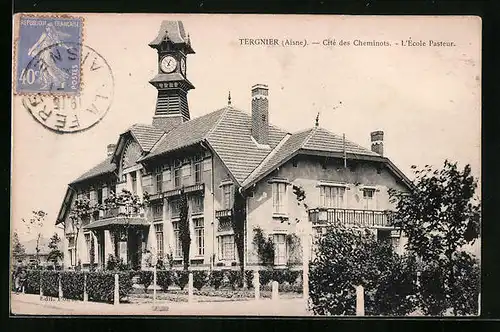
pixel 363 218
pixel 197 187
pixel 223 213
pixel 121 211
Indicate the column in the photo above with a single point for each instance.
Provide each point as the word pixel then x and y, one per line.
pixel 138 175
pixel 129 181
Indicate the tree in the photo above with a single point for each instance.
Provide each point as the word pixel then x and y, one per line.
pixel 439 216
pixel 348 257
pixel 80 214
pixel 184 232
pixel 18 250
pixel 36 223
pixel 238 225
pixel 55 254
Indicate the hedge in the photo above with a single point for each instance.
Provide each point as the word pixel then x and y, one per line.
pixel 181 278
pixel 164 279
pixel 72 284
pixel 50 283
pixel 200 278
pixel 146 279
pixel 32 282
pixel 101 285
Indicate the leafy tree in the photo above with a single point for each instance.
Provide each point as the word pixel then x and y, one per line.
pixel 80 214
pixel 265 247
pixel 348 257
pixel 439 216
pixel 36 223
pixel 184 232
pixel 55 254
pixel 18 250
pixel 238 225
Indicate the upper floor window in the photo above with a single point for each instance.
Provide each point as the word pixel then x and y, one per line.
pixel 331 196
pixel 198 169
pixel 177 174
pixel 279 197
pixel 197 204
pixel 158 179
pixel 227 197
pixel 368 198
pixel 174 208
pixel 99 194
pixel 157 211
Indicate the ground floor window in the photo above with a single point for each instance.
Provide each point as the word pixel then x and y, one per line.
pixel 199 235
pixel 177 240
pixel 72 250
pixel 159 239
pixel 226 247
pixel 279 249
pixel 88 245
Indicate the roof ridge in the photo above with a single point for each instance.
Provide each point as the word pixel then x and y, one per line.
pixel 271 154
pixel 347 140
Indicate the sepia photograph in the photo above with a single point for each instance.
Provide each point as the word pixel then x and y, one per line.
pixel 245 165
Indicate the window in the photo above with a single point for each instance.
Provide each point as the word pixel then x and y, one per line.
pixel 197 204
pixel 159 239
pixel 331 196
pixel 227 197
pixel 199 236
pixel 226 247
pixel 71 250
pixel 177 174
pixel 174 208
pixel 279 196
pixel 87 243
pixel 279 249
pixel 157 211
pixel 99 194
pixel 177 240
pixel 158 180
pixel 368 198
pixel 198 170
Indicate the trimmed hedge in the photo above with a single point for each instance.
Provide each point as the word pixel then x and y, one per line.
pixel 72 284
pixel 50 283
pixel 146 279
pixel 164 279
pixel 101 286
pixel 181 278
pixel 32 282
pixel 216 278
pixel 200 279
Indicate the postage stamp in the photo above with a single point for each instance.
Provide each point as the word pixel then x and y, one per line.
pixel 47 57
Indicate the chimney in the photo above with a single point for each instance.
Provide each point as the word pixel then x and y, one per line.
pixel 377 138
pixel 260 114
pixel 111 149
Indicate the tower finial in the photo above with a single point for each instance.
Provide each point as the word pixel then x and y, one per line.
pixel 229 98
pixel 317 120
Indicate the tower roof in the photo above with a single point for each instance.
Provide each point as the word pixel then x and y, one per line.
pixel 174 32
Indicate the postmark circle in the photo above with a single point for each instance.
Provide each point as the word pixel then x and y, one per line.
pixel 65 112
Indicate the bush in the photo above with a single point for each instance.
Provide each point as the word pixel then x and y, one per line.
pixel 216 278
pixel 146 279
pixel 116 264
pixel 249 278
pixel 101 286
pixel 32 284
pixel 72 284
pixel 200 279
pixel 181 278
pixel 265 276
pixel 164 279
pixel 235 279
pixel 50 283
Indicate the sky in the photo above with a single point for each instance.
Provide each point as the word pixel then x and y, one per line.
pixel 425 99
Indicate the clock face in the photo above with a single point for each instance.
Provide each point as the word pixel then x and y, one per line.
pixel 168 64
pixel 183 66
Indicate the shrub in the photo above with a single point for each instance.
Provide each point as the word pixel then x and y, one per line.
pixel 32 285
pixel 72 284
pixel 50 283
pixel 181 278
pixel 235 279
pixel 101 285
pixel 216 278
pixel 146 279
pixel 249 278
pixel 164 279
pixel 116 264
pixel 265 276
pixel 200 278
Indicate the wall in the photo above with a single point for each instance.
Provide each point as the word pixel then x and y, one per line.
pixel 307 173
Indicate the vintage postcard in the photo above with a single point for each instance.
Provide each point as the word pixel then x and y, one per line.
pixel 255 165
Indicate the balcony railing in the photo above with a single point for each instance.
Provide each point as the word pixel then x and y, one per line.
pixel 363 218
pixel 121 211
pixel 223 213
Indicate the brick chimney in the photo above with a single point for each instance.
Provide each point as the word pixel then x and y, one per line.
pixel 260 113
pixel 111 149
pixel 377 138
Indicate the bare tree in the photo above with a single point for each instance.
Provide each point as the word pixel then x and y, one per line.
pixel 35 223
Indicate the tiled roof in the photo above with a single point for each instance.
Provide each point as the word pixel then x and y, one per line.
pixel 228 131
pixel 103 167
pixel 314 139
pixel 146 135
pixel 106 223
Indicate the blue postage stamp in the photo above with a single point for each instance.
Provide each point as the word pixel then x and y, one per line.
pixel 48 55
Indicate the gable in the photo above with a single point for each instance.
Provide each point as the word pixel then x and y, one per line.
pixel 131 154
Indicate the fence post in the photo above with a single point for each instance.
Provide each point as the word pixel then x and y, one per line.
pixel 117 290
pixel 256 284
pixel 85 295
pixel 275 293
pixel 190 287
pixel 60 287
pixel 360 301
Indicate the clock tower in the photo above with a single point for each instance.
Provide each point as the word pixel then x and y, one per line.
pixel 172 46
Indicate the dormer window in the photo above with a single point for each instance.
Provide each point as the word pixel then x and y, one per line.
pixel 227 195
